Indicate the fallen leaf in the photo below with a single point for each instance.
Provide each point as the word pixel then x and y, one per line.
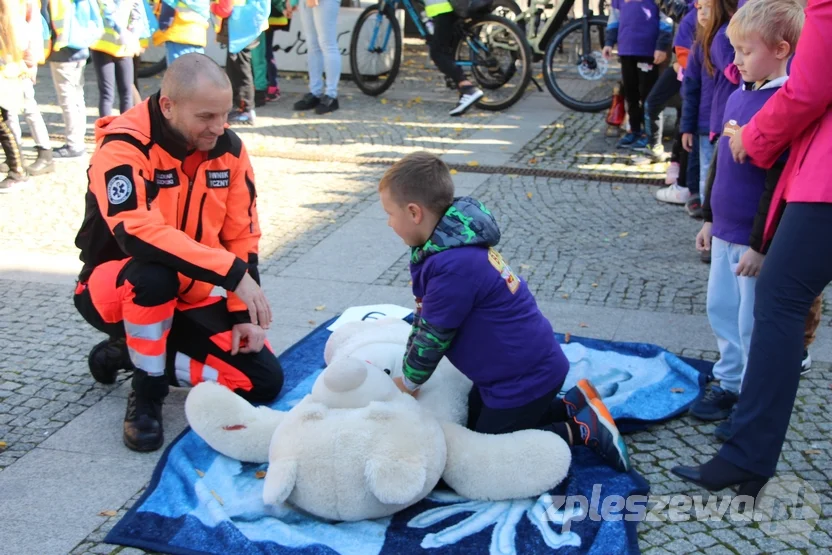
pixel 677 390
pixel 384 101
pixel 311 322
pixel 567 337
pixel 458 129
pixel 624 234
pixel 418 100
pixel 260 474
pixel 454 172
pixel 565 295
pixel 3 443
pixel 320 307
pixel 532 160
pixel 582 325
pixel 595 285
pixel 199 473
pixel 217 497
pixel 616 188
pixel 529 195
pixel 812 452
pixel 397 119
pixel 108 513
pixel 473 163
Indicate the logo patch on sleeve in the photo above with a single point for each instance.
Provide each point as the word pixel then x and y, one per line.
pixel 121 190
pixel 217 179
pixel 166 179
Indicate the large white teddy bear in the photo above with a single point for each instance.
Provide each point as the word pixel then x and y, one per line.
pixel 357 448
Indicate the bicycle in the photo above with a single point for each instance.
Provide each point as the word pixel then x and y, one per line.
pixel 492 48
pixel 575 70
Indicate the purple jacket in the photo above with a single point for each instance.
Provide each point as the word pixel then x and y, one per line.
pixel 726 77
pixel 697 95
pixel 686 33
pixel 638 27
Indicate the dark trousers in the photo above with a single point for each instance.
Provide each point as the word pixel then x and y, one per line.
pixel 540 414
pixel 796 270
pixel 691 168
pixel 637 85
pixel 442 47
pixel 238 68
pixel 10 147
pixel 113 73
pixel 665 90
pixel 185 343
pixel 271 61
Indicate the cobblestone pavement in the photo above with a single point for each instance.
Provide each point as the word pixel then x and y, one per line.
pixel 610 245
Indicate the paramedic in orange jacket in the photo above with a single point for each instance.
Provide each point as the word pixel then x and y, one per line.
pixel 171 213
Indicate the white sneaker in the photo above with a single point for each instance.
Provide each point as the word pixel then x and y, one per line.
pixel 806 363
pixel 673 194
pixel 466 100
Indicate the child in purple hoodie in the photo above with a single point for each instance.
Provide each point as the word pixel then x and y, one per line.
pixel 643 35
pixel 764 33
pixel 473 309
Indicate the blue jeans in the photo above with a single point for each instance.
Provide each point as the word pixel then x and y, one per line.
pixel 706 154
pixel 320 25
pixel 175 49
pixel 730 308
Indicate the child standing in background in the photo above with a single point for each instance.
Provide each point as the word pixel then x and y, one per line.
pixel 12 71
pixel 643 35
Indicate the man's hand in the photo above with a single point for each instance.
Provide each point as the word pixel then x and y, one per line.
pixel 311 3
pixel 750 264
pixel 737 148
pixel 607 52
pixel 687 141
pixel 659 56
pixel 247 338
pixel 703 238
pixel 258 307
pixel 289 10
pixel 400 384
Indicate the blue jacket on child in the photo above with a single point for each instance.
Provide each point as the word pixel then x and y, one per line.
pixel 638 27
pixel 697 95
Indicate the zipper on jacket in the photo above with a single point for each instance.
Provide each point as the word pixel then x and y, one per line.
pixel 198 235
pixel 188 197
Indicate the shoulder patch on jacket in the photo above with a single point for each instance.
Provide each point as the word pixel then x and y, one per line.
pixel 121 190
pixel 165 179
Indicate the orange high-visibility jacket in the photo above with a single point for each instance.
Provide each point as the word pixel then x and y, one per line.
pixel 141 204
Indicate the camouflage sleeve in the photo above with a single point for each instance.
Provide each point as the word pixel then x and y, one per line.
pixel 425 348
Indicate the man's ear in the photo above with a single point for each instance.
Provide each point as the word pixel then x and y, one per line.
pixel 417 214
pixel 166 105
pixel 783 50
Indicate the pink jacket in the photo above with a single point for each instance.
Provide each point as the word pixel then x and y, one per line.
pixel 799 117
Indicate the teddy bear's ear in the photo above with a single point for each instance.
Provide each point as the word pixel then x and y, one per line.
pixel 280 481
pixel 395 481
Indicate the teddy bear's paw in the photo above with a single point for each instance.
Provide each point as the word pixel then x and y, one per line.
pixel 395 481
pixel 281 478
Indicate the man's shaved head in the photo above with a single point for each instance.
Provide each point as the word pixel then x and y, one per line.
pixel 190 74
pixel 196 98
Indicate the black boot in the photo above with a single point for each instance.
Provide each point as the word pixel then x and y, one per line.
pixel 717 474
pixel 143 421
pixel 107 358
pixel 43 164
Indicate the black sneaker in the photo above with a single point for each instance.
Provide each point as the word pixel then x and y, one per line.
pixel 65 153
pixel 259 99
pixel 143 423
pixel 716 404
pixel 326 105
pixel 806 363
pixel 599 433
pixel 468 96
pixel 107 358
pixel 723 432
pixel 14 181
pixel 308 102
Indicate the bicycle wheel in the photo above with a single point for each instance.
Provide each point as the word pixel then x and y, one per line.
pixel 376 50
pixel 582 81
pixel 506 8
pixel 494 50
pixel 149 70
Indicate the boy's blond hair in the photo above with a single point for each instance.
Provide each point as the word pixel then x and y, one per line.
pixel 773 20
pixel 421 178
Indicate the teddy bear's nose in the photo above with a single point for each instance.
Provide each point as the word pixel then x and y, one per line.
pixel 345 376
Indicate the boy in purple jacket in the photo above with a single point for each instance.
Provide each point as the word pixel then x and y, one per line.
pixel 763 34
pixel 474 310
pixel 643 35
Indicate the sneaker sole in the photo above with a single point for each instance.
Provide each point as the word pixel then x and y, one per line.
pixel 589 393
pixel 455 114
pixel 144 448
pixel 605 419
pixel 712 417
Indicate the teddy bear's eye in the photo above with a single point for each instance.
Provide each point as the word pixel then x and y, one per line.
pixel 387 371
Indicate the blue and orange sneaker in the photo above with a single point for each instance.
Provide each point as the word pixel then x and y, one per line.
pixel 579 396
pixel 599 433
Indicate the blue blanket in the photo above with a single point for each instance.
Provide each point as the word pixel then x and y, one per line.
pixel 201 502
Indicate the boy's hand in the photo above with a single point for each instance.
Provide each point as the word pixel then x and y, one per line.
pixel 607 52
pixel 750 264
pixel 659 56
pixel 400 384
pixel 737 148
pixel 703 238
pixel 687 141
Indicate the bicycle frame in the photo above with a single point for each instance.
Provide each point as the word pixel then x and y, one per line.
pixel 539 38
